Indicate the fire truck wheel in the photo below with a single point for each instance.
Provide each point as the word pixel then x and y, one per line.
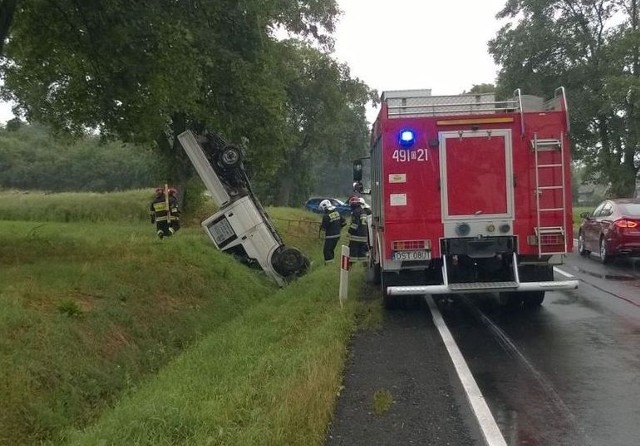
pixel 398 302
pixel 389 302
pixel 581 249
pixel 532 299
pixel 605 257
pixel 377 273
pixel 288 261
pixel 509 300
pixel 230 157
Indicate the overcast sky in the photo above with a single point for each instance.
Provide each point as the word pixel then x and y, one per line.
pixel 415 44
pixel 407 44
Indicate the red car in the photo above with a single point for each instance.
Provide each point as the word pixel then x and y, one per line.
pixel 612 229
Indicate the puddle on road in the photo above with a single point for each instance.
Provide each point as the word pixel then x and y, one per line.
pixel 607 276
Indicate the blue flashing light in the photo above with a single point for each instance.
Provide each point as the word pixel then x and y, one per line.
pixel 406 138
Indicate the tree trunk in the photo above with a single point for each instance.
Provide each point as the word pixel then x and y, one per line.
pixel 7 8
pixel 284 191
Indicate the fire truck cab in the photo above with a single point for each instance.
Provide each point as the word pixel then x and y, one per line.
pixel 241 227
pixel 469 195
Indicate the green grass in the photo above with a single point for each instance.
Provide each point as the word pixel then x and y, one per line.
pixel 268 377
pixel 577 219
pixel 382 401
pixel 111 336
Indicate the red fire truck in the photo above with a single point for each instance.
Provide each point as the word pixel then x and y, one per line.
pixel 469 195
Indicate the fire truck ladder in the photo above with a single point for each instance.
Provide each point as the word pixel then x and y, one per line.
pixel 547 236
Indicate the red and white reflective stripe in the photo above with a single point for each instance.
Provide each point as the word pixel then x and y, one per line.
pixel 344 274
pixel 344 262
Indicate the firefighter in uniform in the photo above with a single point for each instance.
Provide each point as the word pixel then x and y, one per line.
pixel 164 212
pixel 358 231
pixel 332 224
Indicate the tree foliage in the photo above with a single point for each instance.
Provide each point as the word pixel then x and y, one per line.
pixel 144 71
pixel 481 88
pixel 325 121
pixel 592 48
pixel 31 159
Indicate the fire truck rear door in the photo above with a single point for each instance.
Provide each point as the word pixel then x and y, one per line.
pixel 477 176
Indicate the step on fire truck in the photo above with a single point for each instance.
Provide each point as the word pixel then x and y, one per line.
pixel 241 227
pixel 469 195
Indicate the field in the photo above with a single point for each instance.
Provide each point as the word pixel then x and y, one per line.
pixel 109 335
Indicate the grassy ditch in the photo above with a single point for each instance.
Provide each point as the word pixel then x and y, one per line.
pixel 111 336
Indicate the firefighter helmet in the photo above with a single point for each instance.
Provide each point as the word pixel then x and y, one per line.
pixel 159 191
pixel 325 205
pixel 356 201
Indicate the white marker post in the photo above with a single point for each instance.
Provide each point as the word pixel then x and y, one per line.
pixel 344 274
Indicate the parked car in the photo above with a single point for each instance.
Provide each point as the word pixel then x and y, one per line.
pixel 313 203
pixel 611 230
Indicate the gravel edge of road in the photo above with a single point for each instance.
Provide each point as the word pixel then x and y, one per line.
pixel 406 360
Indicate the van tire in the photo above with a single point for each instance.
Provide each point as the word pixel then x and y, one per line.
pixel 230 157
pixel 288 261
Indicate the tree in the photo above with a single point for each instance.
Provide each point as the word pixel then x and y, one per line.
pixel 31 159
pixel 481 88
pixel 579 44
pixel 145 70
pixel 326 119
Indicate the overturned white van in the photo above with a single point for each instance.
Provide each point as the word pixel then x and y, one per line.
pixel 241 227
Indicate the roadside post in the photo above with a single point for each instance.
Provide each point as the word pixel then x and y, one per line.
pixel 166 203
pixel 344 274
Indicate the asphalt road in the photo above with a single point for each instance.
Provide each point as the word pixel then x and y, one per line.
pixel 565 374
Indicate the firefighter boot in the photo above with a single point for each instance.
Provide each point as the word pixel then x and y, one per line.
pixel 161 234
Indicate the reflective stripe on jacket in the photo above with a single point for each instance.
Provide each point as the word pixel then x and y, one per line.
pixel 158 209
pixel 358 229
pixel 332 223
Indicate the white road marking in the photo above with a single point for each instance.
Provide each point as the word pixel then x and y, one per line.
pixel 488 425
pixel 564 273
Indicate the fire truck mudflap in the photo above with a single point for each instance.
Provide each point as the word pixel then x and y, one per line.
pixel 470 195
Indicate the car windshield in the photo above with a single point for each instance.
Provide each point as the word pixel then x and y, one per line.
pixel 631 209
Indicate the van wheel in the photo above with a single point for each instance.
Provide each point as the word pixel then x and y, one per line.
pixel 289 261
pixel 230 157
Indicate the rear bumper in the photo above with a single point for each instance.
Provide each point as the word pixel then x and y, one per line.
pixel 482 287
pixel 628 248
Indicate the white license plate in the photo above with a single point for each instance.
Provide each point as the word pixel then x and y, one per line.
pixel 412 255
pixel 221 231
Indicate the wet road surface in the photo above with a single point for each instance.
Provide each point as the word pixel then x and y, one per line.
pixel 567 373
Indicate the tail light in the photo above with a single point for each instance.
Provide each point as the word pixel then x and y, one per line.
pixel 625 223
pixel 410 245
